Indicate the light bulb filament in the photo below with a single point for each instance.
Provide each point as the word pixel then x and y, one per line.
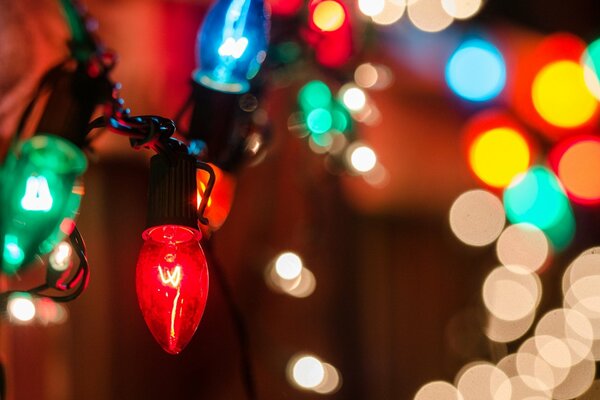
pixel 174 314
pixel 171 278
pixel 37 195
pixel 234 48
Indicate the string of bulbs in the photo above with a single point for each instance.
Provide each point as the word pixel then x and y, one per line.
pixel 42 175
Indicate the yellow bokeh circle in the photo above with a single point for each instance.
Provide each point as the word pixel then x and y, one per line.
pixel 329 16
pixel 560 95
pixel 498 155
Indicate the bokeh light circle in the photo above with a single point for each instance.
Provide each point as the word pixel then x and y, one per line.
pixel 497 155
pixel 522 248
pixel 438 390
pixel 20 307
pixel 362 158
pixel 560 95
pixel 392 11
pixel 329 15
pixel 462 9
pixel 306 371
pixel 319 120
pixel 288 265
pixel 429 15
pixel 578 168
pixel 503 331
pixel 371 7
pixel 574 333
pixel 591 68
pixel 315 94
pixel 483 381
pixel 538 198
pixel 510 296
pixel 477 217
pixel 476 71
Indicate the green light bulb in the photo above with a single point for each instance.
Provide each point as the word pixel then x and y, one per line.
pixel 40 195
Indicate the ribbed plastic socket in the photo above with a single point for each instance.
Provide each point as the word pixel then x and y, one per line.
pixel 172 196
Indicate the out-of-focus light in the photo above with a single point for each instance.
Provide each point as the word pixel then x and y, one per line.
pixel 306 371
pixel 483 381
pixel 50 312
pixel 366 75
pixel 392 11
pixel 497 155
pixel 511 296
pixel 285 7
pixel 522 248
pixel 578 380
pixel 586 265
pixel 429 15
pixel 544 377
pixel 561 96
pixel 354 98
pixel 462 9
pixel 362 158
pixel 591 68
pixel 373 76
pixel 329 16
pixel 538 198
pixel 438 390
pixel 341 118
pixel 60 258
pixel 525 387
pixel 571 336
pixel 315 94
pixel 476 71
pixel 477 217
pixel 371 7
pixel 378 177
pixel 331 380
pixel 577 163
pixel 320 144
pixel 288 265
pixel 21 307
pixel 503 331
pixel 319 120
pixel 306 285
pixel 286 274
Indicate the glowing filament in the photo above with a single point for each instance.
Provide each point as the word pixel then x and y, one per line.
pixel 171 278
pixel 234 48
pixel 173 334
pixel 37 195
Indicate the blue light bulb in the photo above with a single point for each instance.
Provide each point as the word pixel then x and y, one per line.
pixel 232 44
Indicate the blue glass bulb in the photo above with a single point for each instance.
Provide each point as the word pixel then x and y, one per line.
pixel 232 44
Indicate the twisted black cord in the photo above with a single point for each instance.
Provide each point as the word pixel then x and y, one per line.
pixel 76 284
pixel 239 323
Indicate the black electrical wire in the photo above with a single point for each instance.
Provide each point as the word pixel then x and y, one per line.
pixel 72 288
pixel 239 322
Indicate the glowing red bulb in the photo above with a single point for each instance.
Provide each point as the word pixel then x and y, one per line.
pixel 172 284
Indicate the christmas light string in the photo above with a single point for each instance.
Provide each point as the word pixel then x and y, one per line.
pixel 233 84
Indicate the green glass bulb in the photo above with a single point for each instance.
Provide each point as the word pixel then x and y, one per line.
pixel 41 194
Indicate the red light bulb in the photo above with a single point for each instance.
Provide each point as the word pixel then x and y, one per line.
pixel 172 284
